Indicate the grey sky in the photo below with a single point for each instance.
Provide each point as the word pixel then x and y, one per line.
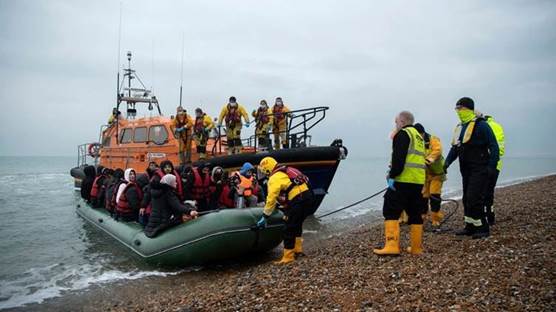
pixel 367 60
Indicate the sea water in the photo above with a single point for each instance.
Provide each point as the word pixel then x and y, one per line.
pixel 47 250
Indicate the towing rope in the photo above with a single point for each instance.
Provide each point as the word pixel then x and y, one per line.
pixel 351 205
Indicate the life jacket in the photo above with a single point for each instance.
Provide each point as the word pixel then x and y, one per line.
pixel 199 127
pixel 181 122
pixel 179 188
pixel 122 206
pixel 297 178
pixel 233 116
pixel 245 183
pixel 110 204
pixel 279 116
pixel 437 167
pixel 414 167
pixel 262 117
pixel 224 200
pixel 97 186
pixel 201 187
pixel 468 152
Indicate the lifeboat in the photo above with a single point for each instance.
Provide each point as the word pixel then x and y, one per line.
pixel 129 141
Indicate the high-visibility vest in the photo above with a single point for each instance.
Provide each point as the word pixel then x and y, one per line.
pixel 499 135
pixel 414 168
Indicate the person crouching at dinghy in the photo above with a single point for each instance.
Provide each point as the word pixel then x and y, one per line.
pixel 128 198
pixel 165 204
pixel 291 185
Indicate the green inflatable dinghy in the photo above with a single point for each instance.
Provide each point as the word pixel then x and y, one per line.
pixel 219 235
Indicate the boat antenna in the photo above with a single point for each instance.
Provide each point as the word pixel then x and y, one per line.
pixel 152 66
pixel 181 79
pixel 118 74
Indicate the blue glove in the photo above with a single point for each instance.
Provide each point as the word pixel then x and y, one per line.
pixel 261 224
pixel 391 182
pixel 247 125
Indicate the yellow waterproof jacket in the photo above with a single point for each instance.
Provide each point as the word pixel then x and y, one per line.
pixel 278 183
pixel 435 149
pixel 500 138
pixel 240 110
pixel 279 117
pixel 186 123
pixel 206 123
pixel 263 124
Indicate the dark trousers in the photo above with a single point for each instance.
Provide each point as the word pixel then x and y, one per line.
pixel 434 201
pixel 298 210
pixel 489 193
pixel 474 178
pixel 408 197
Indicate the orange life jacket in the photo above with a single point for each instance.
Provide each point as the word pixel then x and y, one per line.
pixel 201 187
pixel 246 184
pixel 122 206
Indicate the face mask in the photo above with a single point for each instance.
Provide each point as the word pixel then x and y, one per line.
pixel 465 115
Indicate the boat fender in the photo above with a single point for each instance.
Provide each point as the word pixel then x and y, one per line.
pixel 94 149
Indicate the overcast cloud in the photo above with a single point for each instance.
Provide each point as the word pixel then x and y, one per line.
pixel 367 60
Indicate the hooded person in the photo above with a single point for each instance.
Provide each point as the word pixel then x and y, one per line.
pixel 112 190
pixel 87 183
pixel 98 190
pixel 245 186
pixel 201 186
pixel 145 210
pixel 128 197
pixel 166 167
pixel 151 169
pixel 166 207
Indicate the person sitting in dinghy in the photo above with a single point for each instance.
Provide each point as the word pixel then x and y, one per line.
pixel 166 167
pixel 112 190
pixel 165 205
pixel 128 198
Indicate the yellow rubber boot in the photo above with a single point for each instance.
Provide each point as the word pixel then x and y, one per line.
pixel 392 237
pixel 436 218
pixel 404 217
pixel 289 256
pixel 298 249
pixel 416 239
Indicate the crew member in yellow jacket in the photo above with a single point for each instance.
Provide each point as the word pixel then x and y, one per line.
pixel 289 187
pixel 435 176
pixel 232 113
pixel 263 120
pixel 182 126
pixel 498 131
pixel 280 123
pixel 201 129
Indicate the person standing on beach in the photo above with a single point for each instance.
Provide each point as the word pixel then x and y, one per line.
pixel 476 147
pixel 498 131
pixel 405 183
pixel 289 187
pixel 435 177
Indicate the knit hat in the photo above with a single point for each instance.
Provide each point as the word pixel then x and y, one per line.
pixel 169 179
pixel 246 167
pixel 466 102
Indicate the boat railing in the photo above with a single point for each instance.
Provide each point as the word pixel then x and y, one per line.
pixel 298 125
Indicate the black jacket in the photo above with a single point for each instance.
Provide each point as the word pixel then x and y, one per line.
pixel 166 210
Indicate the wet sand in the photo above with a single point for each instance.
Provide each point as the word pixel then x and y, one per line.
pixel 513 270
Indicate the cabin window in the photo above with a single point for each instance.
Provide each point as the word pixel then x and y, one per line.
pixel 126 135
pixel 140 135
pixel 106 141
pixel 158 134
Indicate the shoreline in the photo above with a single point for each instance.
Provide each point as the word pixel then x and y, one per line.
pixel 516 271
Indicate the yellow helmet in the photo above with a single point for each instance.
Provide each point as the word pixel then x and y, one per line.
pixel 267 164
